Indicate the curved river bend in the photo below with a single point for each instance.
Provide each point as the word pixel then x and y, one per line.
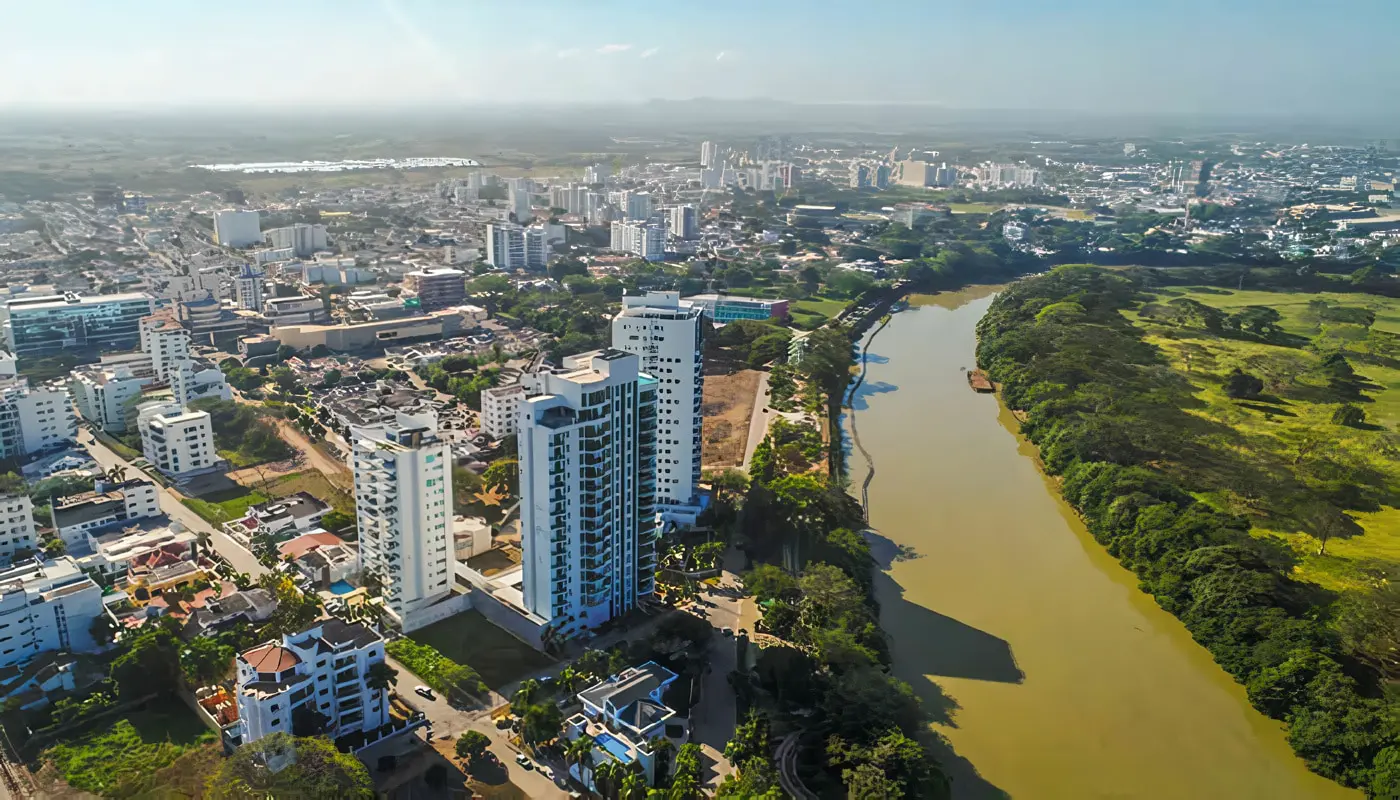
pixel 1050 674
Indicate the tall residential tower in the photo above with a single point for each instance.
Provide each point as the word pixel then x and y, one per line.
pixel 588 491
pixel 664 331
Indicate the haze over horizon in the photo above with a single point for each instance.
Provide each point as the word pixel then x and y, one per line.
pixel 1241 57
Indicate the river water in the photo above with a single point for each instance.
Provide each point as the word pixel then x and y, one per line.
pixel 1048 671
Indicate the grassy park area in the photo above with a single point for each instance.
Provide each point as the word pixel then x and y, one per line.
pixel 1299 464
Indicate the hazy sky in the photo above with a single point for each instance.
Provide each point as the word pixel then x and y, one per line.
pixel 1284 56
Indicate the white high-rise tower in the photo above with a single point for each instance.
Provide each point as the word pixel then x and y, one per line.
pixel 403 504
pixel 587 448
pixel 665 332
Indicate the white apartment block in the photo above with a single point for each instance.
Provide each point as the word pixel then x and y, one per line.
pixel 165 340
pixel 248 288
pixel 512 247
pixel 637 205
pixel 76 517
pixel 683 222
pixel 641 239
pixel 17 529
pixel 664 331
pixel 302 239
pixel 403 504
pixel 101 395
pixel 235 228
pixel 196 380
pixel 500 410
pixel 177 442
pixel 520 201
pixel 323 667
pixel 46 605
pixel 33 420
pixel 587 448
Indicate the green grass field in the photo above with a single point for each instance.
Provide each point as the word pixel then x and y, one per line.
pixel 224 506
pixel 121 758
pixel 471 639
pixel 1286 440
pixel 826 307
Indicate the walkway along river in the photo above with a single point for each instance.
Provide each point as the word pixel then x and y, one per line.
pixel 1049 672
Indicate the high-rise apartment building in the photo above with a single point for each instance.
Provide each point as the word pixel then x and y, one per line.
pixel 302 239
pixel 438 288
pixel 248 288
pixel 512 247
pixel 664 331
pixel 17 529
pixel 642 239
pixel 235 228
pixel 403 501
pixel 709 153
pixel 587 448
pixel 520 200
pixel 683 222
pixel 860 175
pixel 165 340
pixel 637 205
pixel 33 419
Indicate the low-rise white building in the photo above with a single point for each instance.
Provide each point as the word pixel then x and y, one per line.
pixel 178 442
pixel 46 605
pixel 113 553
pixel 79 516
pixel 324 668
pixel 101 395
pixel 33 420
pixel 17 529
pixel 500 410
pixel 624 714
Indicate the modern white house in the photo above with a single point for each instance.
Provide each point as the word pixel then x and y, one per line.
pixel 587 446
pixel 625 715
pixel 46 605
pixel 178 442
pixel 403 504
pixel 500 410
pixel 107 506
pixel 664 331
pixel 17 529
pixel 322 668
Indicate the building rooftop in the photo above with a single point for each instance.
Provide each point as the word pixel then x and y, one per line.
pixel 629 688
pixel 270 658
pixel 70 299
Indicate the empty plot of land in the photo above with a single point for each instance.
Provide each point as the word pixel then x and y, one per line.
pixel 727 405
pixel 473 640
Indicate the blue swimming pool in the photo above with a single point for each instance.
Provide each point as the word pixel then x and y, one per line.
pixel 613 746
pixel 341 587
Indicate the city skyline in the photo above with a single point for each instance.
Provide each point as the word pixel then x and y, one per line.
pixel 1249 57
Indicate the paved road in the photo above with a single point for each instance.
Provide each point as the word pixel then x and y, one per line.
pixel 712 721
pixel 447 721
pixel 232 551
pixel 758 421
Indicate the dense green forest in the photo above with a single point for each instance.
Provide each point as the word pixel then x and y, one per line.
pixel 1108 412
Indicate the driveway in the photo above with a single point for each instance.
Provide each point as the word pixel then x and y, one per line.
pixel 758 422
pixel 712 723
pixel 232 551
pixel 447 721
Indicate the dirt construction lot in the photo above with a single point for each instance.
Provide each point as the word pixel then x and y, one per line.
pixel 727 405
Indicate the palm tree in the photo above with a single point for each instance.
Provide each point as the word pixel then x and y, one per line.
pixel 662 748
pixel 606 777
pixel 202 540
pixel 381 676
pixel 634 787
pixel 569 680
pixel 578 751
pixel 524 696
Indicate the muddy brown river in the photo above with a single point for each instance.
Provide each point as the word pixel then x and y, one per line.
pixel 1048 672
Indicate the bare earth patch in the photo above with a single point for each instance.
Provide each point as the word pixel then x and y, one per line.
pixel 727 404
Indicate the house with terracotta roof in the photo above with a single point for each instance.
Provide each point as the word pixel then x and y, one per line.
pixel 322 669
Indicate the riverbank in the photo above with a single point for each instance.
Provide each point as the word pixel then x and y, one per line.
pixel 1047 670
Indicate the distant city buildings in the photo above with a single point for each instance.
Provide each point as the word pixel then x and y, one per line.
pixel 520 203
pixel 997 176
pixel 587 448
pixel 683 222
pixel 709 154
pixel 248 288
pixel 302 239
pixel 437 288
pixel 642 239
pixel 237 228
pixel 511 247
